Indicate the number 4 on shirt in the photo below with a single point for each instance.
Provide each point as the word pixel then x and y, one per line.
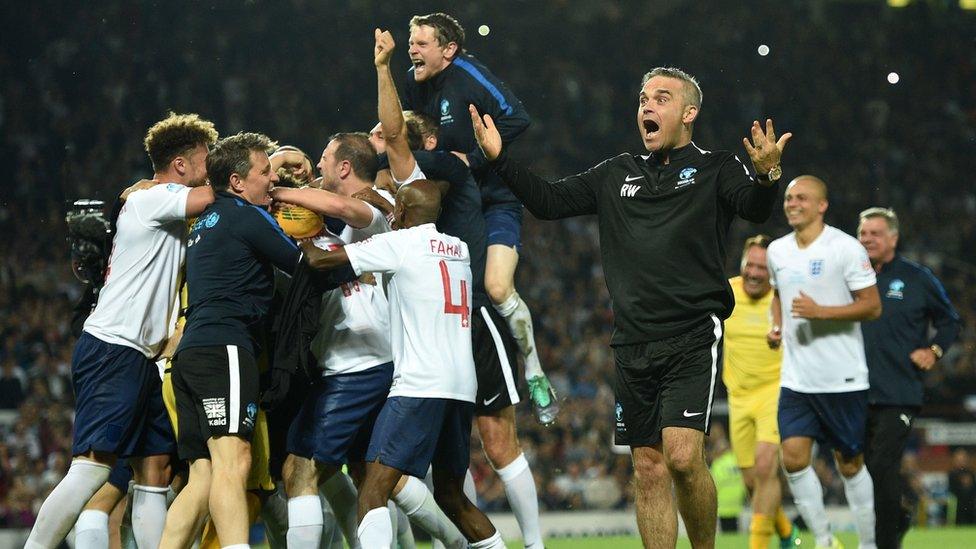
pixel 449 307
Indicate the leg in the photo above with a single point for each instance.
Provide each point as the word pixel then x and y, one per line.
pixel 375 527
pixel 417 502
pixel 806 488
pixel 92 527
pixel 231 462
pixel 500 284
pixel 305 521
pixel 766 494
pixel 684 455
pixel 449 494
pixel 500 441
pixel 61 508
pixel 152 476
pixel 189 511
pixel 888 430
pixel 656 517
pixel 859 490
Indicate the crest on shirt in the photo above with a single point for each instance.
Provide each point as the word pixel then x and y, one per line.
pixel 211 219
pixel 816 267
pixel 174 187
pixel 896 289
pixel 686 177
pixel 619 412
pixel 446 116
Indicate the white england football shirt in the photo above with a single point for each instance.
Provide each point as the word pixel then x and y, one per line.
pixel 135 305
pixel 821 356
pixel 354 333
pixel 430 309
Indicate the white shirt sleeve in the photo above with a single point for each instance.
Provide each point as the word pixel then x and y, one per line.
pixel 378 225
pixel 858 271
pixel 382 253
pixel 160 204
pixel 415 175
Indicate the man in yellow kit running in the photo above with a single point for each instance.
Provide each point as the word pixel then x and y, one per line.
pixel 751 374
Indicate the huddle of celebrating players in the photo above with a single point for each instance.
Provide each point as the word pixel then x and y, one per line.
pixel 341 334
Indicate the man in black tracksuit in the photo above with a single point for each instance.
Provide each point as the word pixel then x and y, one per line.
pixel 663 222
pixel 232 251
pixel 898 351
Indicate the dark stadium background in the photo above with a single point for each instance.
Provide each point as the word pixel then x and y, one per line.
pixel 81 82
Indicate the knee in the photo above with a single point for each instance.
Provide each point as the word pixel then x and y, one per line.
pixel 765 467
pixel 237 465
pixel 298 477
pixel 683 463
pixel 650 472
pixel 795 460
pixel 849 468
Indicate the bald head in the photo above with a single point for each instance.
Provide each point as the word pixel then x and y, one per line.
pixel 814 184
pixel 417 203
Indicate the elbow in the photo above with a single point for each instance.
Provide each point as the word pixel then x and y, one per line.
pixel 875 312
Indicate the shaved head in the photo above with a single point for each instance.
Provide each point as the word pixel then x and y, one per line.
pixel 815 183
pixel 417 203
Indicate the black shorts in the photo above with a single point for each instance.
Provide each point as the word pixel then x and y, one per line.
pixel 495 361
pixel 666 383
pixel 216 392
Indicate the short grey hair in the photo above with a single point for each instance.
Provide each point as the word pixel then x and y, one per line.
pixel 692 91
pixel 233 155
pixel 888 214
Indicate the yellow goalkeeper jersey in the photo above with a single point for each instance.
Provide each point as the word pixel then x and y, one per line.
pixel 748 360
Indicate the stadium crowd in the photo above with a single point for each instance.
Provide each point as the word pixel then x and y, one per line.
pixel 72 128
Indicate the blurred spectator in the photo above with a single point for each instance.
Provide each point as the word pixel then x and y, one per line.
pixel 729 486
pixel 962 486
pixel 13 385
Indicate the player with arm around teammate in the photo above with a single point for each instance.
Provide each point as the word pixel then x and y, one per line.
pixel 429 290
pixel 119 410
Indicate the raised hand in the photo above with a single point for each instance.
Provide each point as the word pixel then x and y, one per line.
pixel 765 150
pixel 486 133
pixel 383 49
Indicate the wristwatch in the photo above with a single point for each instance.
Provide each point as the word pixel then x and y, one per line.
pixel 773 176
pixel 937 351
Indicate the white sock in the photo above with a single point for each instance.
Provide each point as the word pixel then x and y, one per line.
pixel 62 507
pixel 418 504
pixel 494 542
pixel 859 490
pixel 394 516
pixel 341 493
pixel 274 514
pixel 405 538
pixel 235 546
pixel 469 488
pixel 148 514
pixel 808 496
pixel 521 493
pixel 304 522
pixel 91 530
pixel 376 530
pixel 516 314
